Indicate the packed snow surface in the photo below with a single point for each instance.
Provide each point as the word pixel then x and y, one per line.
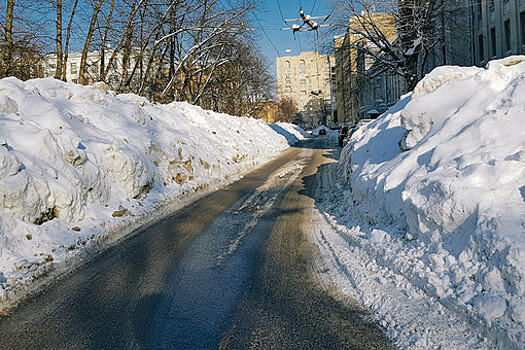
pixel 78 164
pixel 433 194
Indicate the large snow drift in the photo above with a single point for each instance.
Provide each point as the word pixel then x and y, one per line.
pixel 77 163
pixel 439 180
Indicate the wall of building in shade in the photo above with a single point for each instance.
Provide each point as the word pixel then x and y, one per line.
pixel 477 31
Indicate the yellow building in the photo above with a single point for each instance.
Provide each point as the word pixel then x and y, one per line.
pixel 346 54
pixel 299 76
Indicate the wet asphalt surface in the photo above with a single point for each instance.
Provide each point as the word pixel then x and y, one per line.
pixel 233 270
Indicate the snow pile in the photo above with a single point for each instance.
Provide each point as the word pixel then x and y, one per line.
pixel 437 185
pixel 291 132
pixel 329 132
pixel 77 163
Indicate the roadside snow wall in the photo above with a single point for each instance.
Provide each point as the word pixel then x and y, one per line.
pixel 442 177
pixel 76 161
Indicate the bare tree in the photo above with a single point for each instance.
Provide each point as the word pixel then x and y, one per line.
pixel 396 34
pixel 198 51
pixel 22 54
pixel 8 39
pixel 82 79
pixel 68 37
pixel 59 53
pixel 286 110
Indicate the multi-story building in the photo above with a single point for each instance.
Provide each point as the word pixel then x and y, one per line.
pixel 498 29
pixel 377 90
pixel 473 32
pixel 305 78
pixel 93 62
pixel 358 89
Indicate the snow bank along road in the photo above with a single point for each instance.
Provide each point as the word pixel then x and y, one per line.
pixel 81 166
pixel 232 270
pixel 427 225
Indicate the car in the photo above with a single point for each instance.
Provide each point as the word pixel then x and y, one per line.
pixel 342 134
pixel 345 133
pixel 322 131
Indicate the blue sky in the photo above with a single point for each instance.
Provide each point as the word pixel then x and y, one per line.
pixel 270 19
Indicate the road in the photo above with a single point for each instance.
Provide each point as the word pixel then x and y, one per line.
pixel 233 270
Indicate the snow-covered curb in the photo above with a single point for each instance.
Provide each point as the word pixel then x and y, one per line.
pixel 80 167
pixel 433 191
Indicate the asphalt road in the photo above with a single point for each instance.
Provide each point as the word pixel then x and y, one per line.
pixel 230 271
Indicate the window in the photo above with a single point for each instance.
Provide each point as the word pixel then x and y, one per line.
pixel 522 20
pixel 301 63
pixel 493 41
pixel 73 68
pixel 491 5
pixel 480 9
pixel 481 49
pixel 506 27
pixel 287 64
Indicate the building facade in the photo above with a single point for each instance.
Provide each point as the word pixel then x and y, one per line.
pixel 473 32
pixel 305 79
pixel 498 29
pixel 93 63
pixel 360 88
pixel 377 90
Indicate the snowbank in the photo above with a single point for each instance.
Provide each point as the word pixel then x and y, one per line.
pixel 291 132
pixel 77 163
pixel 438 186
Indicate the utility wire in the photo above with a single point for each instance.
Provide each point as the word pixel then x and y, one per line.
pixel 267 36
pixel 298 44
pixel 313 7
pixel 281 12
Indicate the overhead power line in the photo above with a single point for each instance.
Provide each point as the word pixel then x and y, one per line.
pixel 267 36
pixel 281 12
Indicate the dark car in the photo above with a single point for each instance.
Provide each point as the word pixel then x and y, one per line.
pixel 342 134
pixel 345 134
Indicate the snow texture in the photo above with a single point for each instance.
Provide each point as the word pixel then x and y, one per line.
pixel 433 191
pixel 78 165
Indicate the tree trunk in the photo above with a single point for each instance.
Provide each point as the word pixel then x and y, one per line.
pixel 126 58
pixel 102 73
pixel 82 79
pixel 58 72
pixel 8 49
pixel 68 36
pixel 127 32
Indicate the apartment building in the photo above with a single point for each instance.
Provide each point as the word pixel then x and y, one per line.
pixel 305 78
pixel 93 66
pixel 474 32
pixel 498 29
pixel 364 90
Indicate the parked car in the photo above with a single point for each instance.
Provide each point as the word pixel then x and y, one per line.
pixel 345 133
pixel 342 134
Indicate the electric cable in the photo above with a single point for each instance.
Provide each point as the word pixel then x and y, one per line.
pixel 267 36
pixel 313 7
pixel 281 12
